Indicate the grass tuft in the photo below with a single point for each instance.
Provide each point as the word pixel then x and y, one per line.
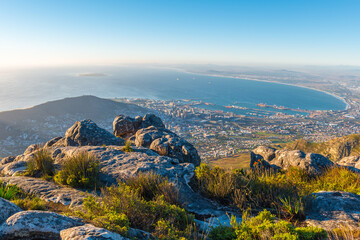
pixel 81 171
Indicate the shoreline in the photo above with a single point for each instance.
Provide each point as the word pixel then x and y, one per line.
pixel 347 105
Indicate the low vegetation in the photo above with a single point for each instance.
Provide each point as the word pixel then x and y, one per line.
pixel 139 204
pixel 80 170
pixel 127 147
pixel 42 165
pixel 283 192
pixel 264 226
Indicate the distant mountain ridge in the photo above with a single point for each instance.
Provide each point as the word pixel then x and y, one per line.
pixel 20 128
pixel 335 149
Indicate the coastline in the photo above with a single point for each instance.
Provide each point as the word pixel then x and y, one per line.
pixel 348 106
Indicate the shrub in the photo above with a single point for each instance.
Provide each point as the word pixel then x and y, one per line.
pixel 245 189
pixel 8 192
pixel 222 233
pixel 42 164
pixel 123 206
pixel 128 147
pixel 80 171
pixel 264 226
pixel 216 182
pixel 151 185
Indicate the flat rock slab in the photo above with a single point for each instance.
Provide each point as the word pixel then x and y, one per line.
pixel 36 225
pixel 89 232
pixel 7 209
pixel 333 209
pixel 47 191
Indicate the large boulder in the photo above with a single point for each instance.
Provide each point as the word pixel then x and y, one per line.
pixel 7 209
pixel 167 143
pixel 268 153
pixel 87 133
pixel 351 161
pixel 333 209
pixel 89 232
pixel 36 225
pixel 125 126
pixel 312 163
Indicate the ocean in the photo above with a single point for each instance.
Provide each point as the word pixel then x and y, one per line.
pixel 26 88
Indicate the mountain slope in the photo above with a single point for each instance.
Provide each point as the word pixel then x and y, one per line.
pixel 20 128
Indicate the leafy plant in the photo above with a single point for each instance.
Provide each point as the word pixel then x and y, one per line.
pixel 42 164
pixel 8 191
pixel 264 226
pixel 80 170
pixel 128 147
pixel 151 185
pixel 222 233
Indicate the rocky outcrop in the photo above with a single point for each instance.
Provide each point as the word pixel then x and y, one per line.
pixel 46 190
pixel 86 133
pixel 125 126
pixel 36 225
pixel 7 209
pixel 89 232
pixel 352 161
pixel 268 153
pixel 284 159
pixel 333 209
pixel 167 143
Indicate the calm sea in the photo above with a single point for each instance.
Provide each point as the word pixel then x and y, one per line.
pixel 25 88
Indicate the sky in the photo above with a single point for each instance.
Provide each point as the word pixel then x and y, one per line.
pixel 106 32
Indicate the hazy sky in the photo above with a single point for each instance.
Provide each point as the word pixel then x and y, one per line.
pixel 54 32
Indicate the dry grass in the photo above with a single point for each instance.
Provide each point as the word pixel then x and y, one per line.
pixel 241 160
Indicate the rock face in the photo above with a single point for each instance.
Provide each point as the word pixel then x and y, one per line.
pixel 125 126
pixel 86 133
pixel 333 209
pixel 7 209
pixel 36 225
pixel 89 232
pixel 46 190
pixel 284 159
pixel 352 161
pixel 167 143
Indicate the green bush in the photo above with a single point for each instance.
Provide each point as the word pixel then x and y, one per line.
pixel 123 206
pixel 222 233
pixel 264 226
pixel 80 171
pixel 42 165
pixel 128 147
pixel 151 185
pixel 8 192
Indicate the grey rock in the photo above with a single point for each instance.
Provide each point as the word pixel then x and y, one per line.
pixel 351 161
pixel 333 209
pixel 7 209
pixel 7 160
pixel 125 126
pixel 89 232
pixel 313 163
pixel 36 225
pixel 167 143
pixel 52 142
pixel 87 133
pixel 257 162
pixel 32 148
pixel 46 190
pixel 139 234
pixel 268 153
pixel 152 120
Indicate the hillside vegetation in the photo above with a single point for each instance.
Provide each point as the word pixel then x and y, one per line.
pixel 335 149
